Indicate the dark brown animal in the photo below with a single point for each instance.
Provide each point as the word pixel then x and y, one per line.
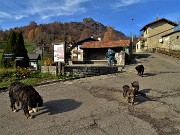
pixel 26 95
pixel 135 85
pixel 140 70
pixel 130 93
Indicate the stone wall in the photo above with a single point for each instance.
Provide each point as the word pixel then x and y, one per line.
pixel 49 69
pixel 175 41
pixel 84 71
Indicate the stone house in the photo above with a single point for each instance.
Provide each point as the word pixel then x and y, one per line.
pixel 95 52
pixel 77 52
pixel 153 32
pixel 171 40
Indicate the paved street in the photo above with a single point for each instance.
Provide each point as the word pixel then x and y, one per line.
pixel 95 106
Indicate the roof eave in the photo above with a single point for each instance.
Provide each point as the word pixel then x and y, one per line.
pixel 103 47
pixel 168 21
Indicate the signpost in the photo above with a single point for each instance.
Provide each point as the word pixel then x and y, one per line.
pixel 59 56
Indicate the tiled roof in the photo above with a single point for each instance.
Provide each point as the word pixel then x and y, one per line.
pixel 163 19
pixel 106 44
pixel 85 40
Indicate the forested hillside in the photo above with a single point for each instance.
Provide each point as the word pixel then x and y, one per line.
pixel 57 32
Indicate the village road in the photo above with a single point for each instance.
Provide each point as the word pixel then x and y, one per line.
pixel 95 106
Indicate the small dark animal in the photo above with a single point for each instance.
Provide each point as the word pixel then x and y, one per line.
pixel 26 95
pixel 135 86
pixel 129 93
pixel 140 69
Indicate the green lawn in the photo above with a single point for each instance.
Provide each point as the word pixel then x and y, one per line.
pixel 0 58
pixel 2 44
pixel 30 47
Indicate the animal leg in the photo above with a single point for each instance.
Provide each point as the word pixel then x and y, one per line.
pixel 132 100
pixel 26 111
pixel 32 110
pixel 13 101
pixel 17 102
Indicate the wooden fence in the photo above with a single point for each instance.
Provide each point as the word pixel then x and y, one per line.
pixel 173 53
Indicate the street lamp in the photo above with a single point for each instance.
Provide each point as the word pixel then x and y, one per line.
pixel 132 29
pixel 132 36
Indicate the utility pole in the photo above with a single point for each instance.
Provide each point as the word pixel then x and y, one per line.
pixel 132 29
pixel 132 36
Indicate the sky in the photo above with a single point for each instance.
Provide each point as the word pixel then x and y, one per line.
pixel 127 16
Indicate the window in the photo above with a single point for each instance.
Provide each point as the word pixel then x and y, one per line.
pixel 177 37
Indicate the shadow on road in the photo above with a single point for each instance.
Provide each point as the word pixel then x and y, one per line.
pixel 59 106
pixel 162 72
pixel 138 56
pixel 141 55
pixel 145 91
pixel 142 97
pixel 149 74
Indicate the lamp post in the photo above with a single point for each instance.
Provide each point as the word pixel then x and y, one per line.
pixel 132 36
pixel 132 29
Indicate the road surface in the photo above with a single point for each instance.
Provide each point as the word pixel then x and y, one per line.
pixel 95 106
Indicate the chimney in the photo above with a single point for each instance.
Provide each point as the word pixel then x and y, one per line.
pixel 156 18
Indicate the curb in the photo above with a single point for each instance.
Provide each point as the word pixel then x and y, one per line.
pixel 4 89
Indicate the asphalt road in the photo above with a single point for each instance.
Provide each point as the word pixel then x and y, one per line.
pixel 95 106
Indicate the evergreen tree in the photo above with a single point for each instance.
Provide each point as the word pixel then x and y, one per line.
pixel 15 46
pixel 10 48
pixel 21 50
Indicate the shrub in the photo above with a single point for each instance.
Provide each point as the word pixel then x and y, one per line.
pixel 22 73
pixel 48 62
pixel 6 75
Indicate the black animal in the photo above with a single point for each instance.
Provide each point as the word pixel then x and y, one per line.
pixel 26 95
pixel 129 93
pixel 140 69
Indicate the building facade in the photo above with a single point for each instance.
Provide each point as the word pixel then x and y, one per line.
pixel 171 41
pixel 95 52
pixel 153 32
pixel 77 54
